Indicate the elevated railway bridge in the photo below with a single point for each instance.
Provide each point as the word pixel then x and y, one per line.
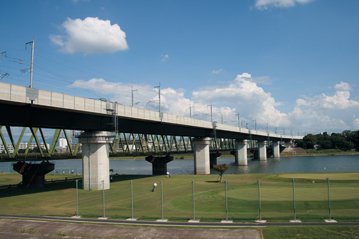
pixel 108 127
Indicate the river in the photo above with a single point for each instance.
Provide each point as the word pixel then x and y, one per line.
pixel 312 164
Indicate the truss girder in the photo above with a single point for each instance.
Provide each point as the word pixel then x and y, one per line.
pixel 123 143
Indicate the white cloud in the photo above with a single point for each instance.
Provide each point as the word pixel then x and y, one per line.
pixel 242 95
pixel 117 91
pixel 342 86
pixel 265 4
pixel 90 35
pixel 326 112
pixel 356 123
pixel 264 80
pixel 217 71
pixel 165 57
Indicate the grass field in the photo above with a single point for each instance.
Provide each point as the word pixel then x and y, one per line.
pixel 59 198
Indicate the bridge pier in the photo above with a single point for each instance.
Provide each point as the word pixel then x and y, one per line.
pixel 33 175
pixel 159 164
pixel 240 153
pixel 262 150
pixel 213 158
pixel 201 155
pixel 276 149
pixel 95 159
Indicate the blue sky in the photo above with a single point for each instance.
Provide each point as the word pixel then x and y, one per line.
pixel 291 64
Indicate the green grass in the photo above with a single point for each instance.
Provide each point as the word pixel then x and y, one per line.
pixel 276 191
pixel 323 232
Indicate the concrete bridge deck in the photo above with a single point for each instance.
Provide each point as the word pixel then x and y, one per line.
pixel 30 107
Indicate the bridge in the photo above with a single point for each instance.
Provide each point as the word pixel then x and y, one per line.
pixel 100 122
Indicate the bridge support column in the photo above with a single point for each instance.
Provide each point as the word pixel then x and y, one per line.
pixel 262 151
pixel 240 153
pixel 95 160
pixel 213 158
pixel 276 149
pixel 201 155
pixel 33 175
pixel 159 164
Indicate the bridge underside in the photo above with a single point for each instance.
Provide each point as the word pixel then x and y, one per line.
pixel 23 143
pixel 131 136
pixel 29 115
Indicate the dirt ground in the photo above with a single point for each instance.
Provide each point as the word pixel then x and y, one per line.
pixel 26 229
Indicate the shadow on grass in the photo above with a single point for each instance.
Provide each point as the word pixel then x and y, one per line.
pixel 213 181
pixel 117 177
pixel 50 185
pixel 57 184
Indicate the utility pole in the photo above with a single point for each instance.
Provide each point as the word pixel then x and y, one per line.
pixel 190 111
pixel 132 96
pixel 239 122
pixel 31 60
pixel 159 97
pixel 211 112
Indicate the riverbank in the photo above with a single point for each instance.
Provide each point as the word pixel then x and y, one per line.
pixel 290 152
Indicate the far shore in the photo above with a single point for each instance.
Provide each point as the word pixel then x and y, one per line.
pixel 293 153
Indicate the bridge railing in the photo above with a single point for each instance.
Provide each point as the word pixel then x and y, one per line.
pixel 23 94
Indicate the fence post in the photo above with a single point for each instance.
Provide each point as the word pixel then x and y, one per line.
pixel 259 203
pixel 330 220
pixel 193 204
pixel 226 203
pixel 294 208
pixel 162 205
pixel 103 202
pixel 295 220
pixel 77 200
pixel 132 218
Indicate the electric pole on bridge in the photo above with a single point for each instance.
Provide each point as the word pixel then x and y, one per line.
pixel 239 121
pixel 211 112
pixel 31 60
pixel 132 95
pixel 159 97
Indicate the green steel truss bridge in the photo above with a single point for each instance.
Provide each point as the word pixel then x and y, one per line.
pixel 39 147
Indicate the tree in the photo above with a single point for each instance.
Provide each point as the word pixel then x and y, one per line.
pixel 347 140
pixel 339 141
pixel 307 142
pixel 221 169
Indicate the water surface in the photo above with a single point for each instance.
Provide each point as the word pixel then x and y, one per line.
pixel 312 164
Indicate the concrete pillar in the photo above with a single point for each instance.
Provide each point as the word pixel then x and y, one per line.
pixel 262 150
pixel 33 175
pixel 159 164
pixel 95 160
pixel 276 149
pixel 213 158
pixel 240 153
pixel 201 155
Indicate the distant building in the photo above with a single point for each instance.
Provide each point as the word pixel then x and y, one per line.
pixel 62 146
pixel 62 143
pixel 22 146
